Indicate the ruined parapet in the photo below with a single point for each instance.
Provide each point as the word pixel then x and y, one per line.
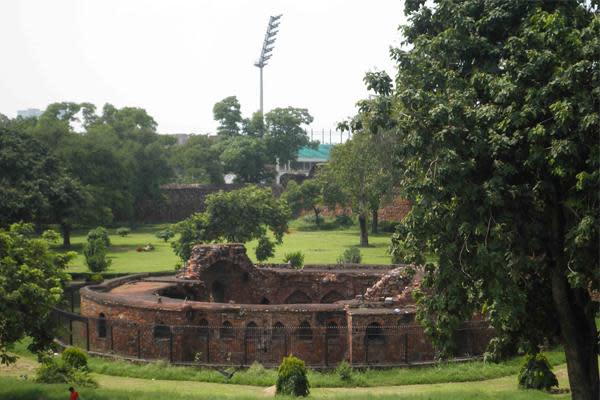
pixel 205 256
pixel 398 284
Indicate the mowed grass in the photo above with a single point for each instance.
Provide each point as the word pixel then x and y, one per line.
pixel 319 247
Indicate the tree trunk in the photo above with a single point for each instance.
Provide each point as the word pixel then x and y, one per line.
pixel 579 334
pixel 575 312
pixel 374 221
pixel 66 234
pixel 317 219
pixel 364 234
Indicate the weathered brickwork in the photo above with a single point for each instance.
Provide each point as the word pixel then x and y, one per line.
pixel 223 310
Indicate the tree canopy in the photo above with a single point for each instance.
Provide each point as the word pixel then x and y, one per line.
pixel 498 129
pixel 31 284
pixel 238 216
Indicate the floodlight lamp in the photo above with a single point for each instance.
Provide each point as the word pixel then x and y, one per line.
pixel 269 42
pixel 273 25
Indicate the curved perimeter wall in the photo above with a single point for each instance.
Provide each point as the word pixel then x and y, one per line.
pixel 129 317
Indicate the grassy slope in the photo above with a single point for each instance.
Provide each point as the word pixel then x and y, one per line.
pixel 258 376
pixel 120 388
pixel 318 247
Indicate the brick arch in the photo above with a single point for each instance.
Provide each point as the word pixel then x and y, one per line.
pixel 331 297
pixel 298 297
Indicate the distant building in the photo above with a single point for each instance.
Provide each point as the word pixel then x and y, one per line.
pixel 29 113
pixel 308 159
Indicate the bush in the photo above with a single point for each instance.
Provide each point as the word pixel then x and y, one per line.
pixel 350 255
pixel 123 231
pixel 265 248
pixel 75 357
pixel 95 255
pixel 165 234
pixel 291 377
pixel 58 371
pixel 344 221
pixel 388 226
pixel 99 233
pixel 295 259
pixel 344 371
pixel 536 373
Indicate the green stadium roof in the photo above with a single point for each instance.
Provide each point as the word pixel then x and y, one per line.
pixel 319 154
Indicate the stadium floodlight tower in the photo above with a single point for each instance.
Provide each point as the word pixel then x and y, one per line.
pixel 265 52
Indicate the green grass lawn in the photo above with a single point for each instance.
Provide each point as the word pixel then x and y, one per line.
pixel 317 246
pixel 256 375
pixel 14 386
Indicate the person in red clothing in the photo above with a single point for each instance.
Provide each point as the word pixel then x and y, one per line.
pixel 74 394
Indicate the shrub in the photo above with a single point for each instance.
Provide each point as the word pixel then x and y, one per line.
pixel 58 371
pixel 344 371
pixel 291 377
pixel 350 255
pixel 388 226
pixel 265 248
pixel 344 221
pixel 295 259
pixel 99 233
pixel 75 357
pixel 536 373
pixel 123 231
pixel 165 234
pixel 95 255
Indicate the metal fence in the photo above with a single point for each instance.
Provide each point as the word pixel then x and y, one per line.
pixel 373 345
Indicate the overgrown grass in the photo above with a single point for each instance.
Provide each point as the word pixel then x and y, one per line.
pixel 318 246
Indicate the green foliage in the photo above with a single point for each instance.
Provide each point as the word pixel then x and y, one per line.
pixel 238 216
pixel 59 371
pixel 32 278
pixel 498 141
pixel 123 231
pixel 94 252
pixel 227 113
pixel 100 233
pixel 305 197
pixel 359 174
pixel 75 357
pixel 197 161
pixel 536 373
pixel 294 259
pixel 388 226
pixel 165 234
pixel 344 371
pixel 265 248
pixel 247 157
pixel 284 134
pixel 350 255
pixel 291 377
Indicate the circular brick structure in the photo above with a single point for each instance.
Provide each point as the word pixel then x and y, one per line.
pixel 221 309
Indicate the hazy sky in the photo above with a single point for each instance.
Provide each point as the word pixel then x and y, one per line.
pixel 176 58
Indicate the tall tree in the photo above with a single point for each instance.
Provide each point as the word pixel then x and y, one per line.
pixel 227 113
pixel 499 144
pixel 284 132
pixel 307 196
pixel 32 278
pixel 248 158
pixel 357 170
pixel 197 161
